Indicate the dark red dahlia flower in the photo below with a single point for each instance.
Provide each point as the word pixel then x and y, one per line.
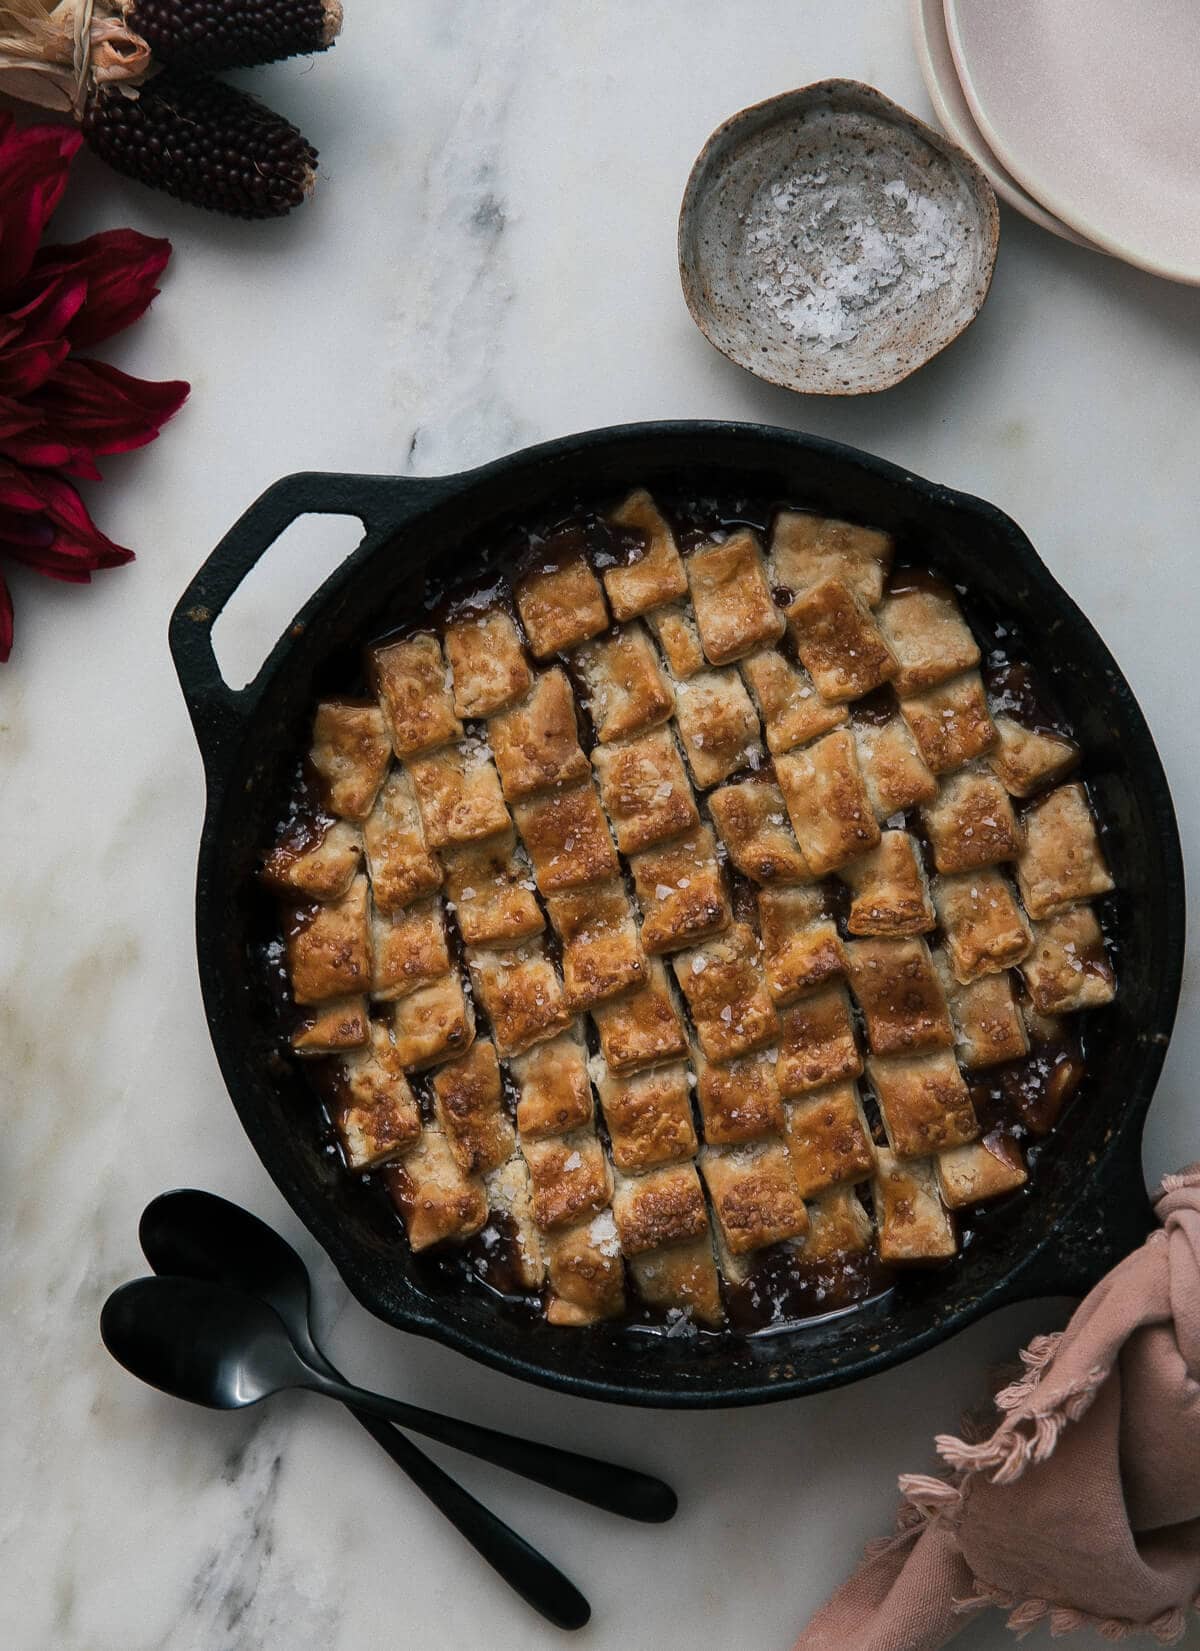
pixel 60 411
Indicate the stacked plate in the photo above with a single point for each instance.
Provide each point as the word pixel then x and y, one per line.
pixel 1084 114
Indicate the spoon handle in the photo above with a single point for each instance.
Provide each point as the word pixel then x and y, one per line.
pixel 604 1484
pixel 528 1572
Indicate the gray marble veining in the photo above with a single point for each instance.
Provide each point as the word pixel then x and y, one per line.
pixel 490 260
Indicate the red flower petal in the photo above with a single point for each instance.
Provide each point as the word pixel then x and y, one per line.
pixel 15 418
pixel 26 369
pixel 6 622
pixel 120 266
pixel 47 307
pixel 33 174
pixel 44 451
pixel 91 405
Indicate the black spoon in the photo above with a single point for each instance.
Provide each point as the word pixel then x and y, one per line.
pixel 221 1347
pixel 198 1235
pixel 192 1234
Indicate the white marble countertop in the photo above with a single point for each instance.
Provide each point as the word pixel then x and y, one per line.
pixel 489 261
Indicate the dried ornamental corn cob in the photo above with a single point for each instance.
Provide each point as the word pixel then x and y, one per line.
pixel 228 34
pixel 206 143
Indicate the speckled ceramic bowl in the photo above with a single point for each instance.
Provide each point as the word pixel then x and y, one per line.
pixel 832 243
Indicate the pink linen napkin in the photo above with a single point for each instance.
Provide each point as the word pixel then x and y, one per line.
pixel 1082 1506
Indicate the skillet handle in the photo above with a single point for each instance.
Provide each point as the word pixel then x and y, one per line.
pixel 1112 1218
pixel 381 503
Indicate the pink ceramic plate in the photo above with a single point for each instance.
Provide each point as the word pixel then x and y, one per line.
pixel 1092 106
pixel 954 114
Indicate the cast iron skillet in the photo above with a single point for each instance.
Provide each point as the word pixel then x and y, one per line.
pixel 1088 1206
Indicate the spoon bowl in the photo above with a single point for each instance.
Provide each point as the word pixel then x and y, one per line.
pixel 200 1341
pixel 192 1234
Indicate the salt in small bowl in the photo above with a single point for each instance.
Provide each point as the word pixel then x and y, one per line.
pixel 832 243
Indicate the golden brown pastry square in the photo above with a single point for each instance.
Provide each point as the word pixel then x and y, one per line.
pixel 988 1024
pixel 568 839
pixel 351 751
pixel 520 994
pixel 649 1116
pixel 829 1139
pixel 718 727
pixel 752 820
pixel 801 948
pixel 727 995
pixel 1068 968
pixel 553 1088
pixel 626 690
pixel 490 887
pixel 676 634
pixel 601 950
pixel 438 1202
pixel 570 1176
pixel 739 1099
pixel 792 710
pixel 408 949
pixel 433 1024
pixel 1027 759
pixel 891 893
pixel 1062 862
pixel 681 1279
pixel 559 599
pixel 681 892
pixel 806 550
pixel 536 743
pixel 923 1101
pixel 376 1112
pixel 641 1028
pixel 587 1278
pixel 398 858
pixel 950 723
pixel 985 928
pixel 979 1171
pixel 413 684
pixel 838 1225
pixel 893 770
pixel 827 802
pixel 329 946
pixel 320 866
pixel 487 662
pixel 927 633
pixel 664 1206
pixel 654 574
pixel 913 1224
pixel 331 1027
pixel 468 1101
pixel 754 1195
pixel 732 598
pixel 509 1193
pixel 817 1044
pixel 839 643
pixel 645 790
pixel 458 794
pixel 971 823
pixel 900 996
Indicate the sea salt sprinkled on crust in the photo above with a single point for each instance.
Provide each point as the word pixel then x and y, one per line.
pixel 603 1234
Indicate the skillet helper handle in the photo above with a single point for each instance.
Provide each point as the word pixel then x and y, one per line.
pixel 382 503
pixel 1112 1218
pixel 605 1485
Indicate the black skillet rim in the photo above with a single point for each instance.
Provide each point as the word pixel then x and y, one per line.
pixel 1107 1213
